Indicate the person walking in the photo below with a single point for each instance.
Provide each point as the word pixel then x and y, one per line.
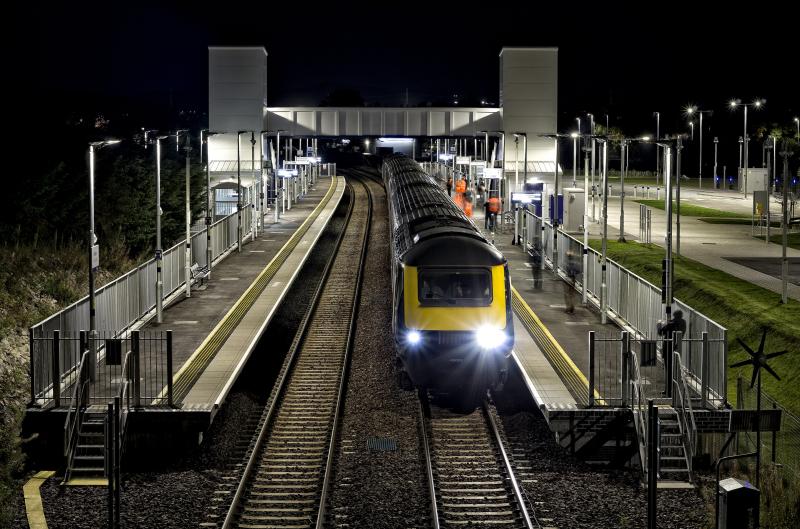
pixel 536 266
pixel 449 186
pixel 569 286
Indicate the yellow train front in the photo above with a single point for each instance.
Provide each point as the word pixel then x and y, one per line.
pixel 452 318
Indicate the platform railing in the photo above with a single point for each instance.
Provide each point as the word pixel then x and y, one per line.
pixel 131 298
pixel 65 374
pixel 636 304
pixel 682 403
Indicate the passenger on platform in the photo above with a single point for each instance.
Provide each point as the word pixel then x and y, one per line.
pixel 449 186
pixel 569 286
pixel 535 260
pixel 674 325
pixel 493 207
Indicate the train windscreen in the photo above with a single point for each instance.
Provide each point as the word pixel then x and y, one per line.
pixel 459 287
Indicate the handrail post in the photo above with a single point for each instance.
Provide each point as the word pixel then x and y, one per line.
pixel 704 363
pixel 652 462
pixel 169 369
pixel 135 348
pixel 32 348
pixel 56 365
pixel 626 352
pixel 591 367
pixel 82 348
pixel 109 449
pixel 117 461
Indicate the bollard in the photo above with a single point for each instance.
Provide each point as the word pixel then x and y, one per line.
pixel 658 193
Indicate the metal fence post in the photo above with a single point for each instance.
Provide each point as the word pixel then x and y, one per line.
pixel 591 367
pixel 117 460
pixel 109 463
pixel 724 377
pixel 652 462
pixel 626 374
pixel 33 365
pixel 169 368
pixel 135 348
pixel 83 341
pixel 56 366
pixel 704 363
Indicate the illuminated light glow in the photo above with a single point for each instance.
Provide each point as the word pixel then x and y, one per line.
pixel 490 338
pixel 413 337
pixel 573 135
pixel 733 103
pixel 645 138
pixel 395 140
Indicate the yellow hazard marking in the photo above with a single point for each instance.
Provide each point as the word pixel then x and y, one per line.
pixel 87 482
pixel 202 356
pixel 33 500
pixel 552 350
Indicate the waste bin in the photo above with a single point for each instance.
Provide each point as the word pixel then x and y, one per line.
pixel 738 504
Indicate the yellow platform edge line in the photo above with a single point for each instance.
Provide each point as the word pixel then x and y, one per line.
pixel 212 335
pixel 34 510
pixel 553 341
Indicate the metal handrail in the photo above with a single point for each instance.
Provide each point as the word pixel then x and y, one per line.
pixel 75 413
pixel 124 396
pixel 683 407
pixel 639 408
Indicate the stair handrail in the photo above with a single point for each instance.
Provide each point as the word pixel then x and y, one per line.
pixel 75 413
pixel 124 399
pixel 682 403
pixel 639 409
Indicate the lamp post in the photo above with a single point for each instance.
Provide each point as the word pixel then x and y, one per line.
pixel 187 268
pixel 209 213
pixel 94 258
pixel 579 132
pixel 603 272
pixel 592 162
pixel 757 104
pixel 159 252
pixel 256 185
pixel 574 136
pixel 623 146
pixel 691 127
pixel 797 123
pixel 239 191
pixel 694 110
pixel 716 144
pixel 658 152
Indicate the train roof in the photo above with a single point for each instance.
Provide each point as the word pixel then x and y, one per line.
pixel 421 211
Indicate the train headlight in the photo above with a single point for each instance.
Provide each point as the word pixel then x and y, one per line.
pixel 413 337
pixel 489 338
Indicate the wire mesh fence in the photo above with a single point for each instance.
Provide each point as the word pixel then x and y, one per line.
pixel 782 447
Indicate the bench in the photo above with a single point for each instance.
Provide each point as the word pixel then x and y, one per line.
pixel 199 273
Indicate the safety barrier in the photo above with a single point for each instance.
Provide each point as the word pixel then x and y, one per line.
pixel 636 303
pixel 64 372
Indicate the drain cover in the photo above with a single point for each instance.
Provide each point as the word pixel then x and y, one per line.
pixel 381 444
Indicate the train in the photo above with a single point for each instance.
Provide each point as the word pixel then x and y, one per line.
pixel 451 294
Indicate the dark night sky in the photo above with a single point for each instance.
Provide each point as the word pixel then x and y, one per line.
pixel 628 59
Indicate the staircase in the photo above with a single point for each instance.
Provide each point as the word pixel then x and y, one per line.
pixel 86 465
pixel 674 466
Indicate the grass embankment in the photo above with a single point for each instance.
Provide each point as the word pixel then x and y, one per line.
pixel 35 281
pixel 691 210
pixel 792 242
pixel 743 308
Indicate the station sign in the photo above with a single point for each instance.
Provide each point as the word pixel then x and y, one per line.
pixel 287 173
pixel 304 160
pixel 463 160
pixel 493 172
pixel 95 256
pixel 526 198
pixel 445 157
pixel 478 163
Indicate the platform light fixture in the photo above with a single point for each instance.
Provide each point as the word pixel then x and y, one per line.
pixel 757 103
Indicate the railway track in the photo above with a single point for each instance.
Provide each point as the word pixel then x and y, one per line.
pixel 289 463
pixel 470 476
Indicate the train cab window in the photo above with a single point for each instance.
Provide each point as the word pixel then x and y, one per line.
pixel 447 287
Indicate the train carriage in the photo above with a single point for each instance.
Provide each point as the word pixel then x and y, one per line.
pixel 452 319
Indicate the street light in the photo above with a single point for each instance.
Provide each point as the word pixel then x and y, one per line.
pixel 694 110
pixel 716 142
pixel 574 136
pixel 658 147
pixel 239 191
pixel 758 103
pixel 797 122
pixel 691 126
pixel 209 217
pixel 624 151
pixel 94 257
pixel 187 268
pixel 159 252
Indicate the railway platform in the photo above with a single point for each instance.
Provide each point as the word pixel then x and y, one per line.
pixel 207 338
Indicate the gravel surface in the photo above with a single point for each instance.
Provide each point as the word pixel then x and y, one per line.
pixel 380 488
pixel 569 494
pixel 177 495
